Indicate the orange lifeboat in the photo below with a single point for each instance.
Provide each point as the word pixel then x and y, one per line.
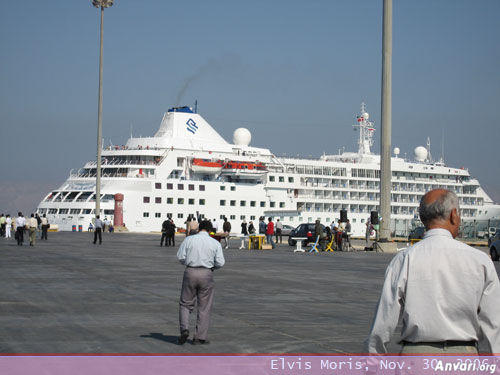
pixel 206 166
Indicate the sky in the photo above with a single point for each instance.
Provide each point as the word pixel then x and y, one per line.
pixel 294 72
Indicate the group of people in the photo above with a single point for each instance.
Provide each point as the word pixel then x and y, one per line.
pixel 33 225
pixel 415 282
pixel 168 232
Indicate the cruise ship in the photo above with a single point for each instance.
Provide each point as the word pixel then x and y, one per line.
pixel 187 169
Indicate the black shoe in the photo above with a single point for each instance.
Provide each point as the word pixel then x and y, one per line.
pixel 200 342
pixel 183 337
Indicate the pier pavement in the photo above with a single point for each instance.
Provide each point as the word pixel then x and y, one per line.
pixel 67 295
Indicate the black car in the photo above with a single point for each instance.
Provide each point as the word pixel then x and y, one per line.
pixel 417 234
pixel 304 230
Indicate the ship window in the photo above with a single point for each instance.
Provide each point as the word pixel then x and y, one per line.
pixel 232 203
pixel 191 201
pixel 180 200
pixel 243 203
pixel 170 200
pixel 41 211
pixel 290 179
pixel 169 215
pixel 281 179
pixel 202 187
pixel 221 217
pixel 157 185
pixel 242 217
pixel 180 216
pixel 74 211
pixel 202 202
pixel 158 200
pixel 145 214
pixel 63 211
pixel 180 187
pixel 282 204
pixel 180 162
pixel 252 217
pixel 157 214
pixel 145 199
pixel 52 211
pixel 222 202
pixel 86 211
pixel 271 178
pixel 252 203
pixel 109 212
pixel 232 217
pixel 272 204
pixel 223 188
pixel 233 188
pixel 170 186
pixel 191 187
pixel 262 204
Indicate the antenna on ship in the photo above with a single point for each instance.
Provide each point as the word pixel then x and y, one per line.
pixel 429 156
pixel 196 106
pixel 442 146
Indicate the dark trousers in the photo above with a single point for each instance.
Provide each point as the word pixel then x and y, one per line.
pixel 278 234
pixel 20 235
pixel 171 239
pixel 98 232
pixel 45 228
pixel 164 237
pixel 198 288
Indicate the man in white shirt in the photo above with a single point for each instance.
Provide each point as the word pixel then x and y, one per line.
pixel 20 223
pixel 201 254
pixel 446 292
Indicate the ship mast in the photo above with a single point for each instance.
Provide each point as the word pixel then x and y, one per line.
pixel 366 131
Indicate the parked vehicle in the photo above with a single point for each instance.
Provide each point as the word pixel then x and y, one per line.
pixel 286 230
pixel 304 230
pixel 417 234
pixel 494 244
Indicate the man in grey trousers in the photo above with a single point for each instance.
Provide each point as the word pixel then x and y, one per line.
pixel 201 254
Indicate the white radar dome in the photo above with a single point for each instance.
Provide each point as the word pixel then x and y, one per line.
pixel 420 153
pixel 366 116
pixel 242 137
pixel 397 151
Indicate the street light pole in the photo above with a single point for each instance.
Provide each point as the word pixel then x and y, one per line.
pixel 100 4
pixel 385 135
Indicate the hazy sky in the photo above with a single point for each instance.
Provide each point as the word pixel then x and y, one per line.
pixel 293 72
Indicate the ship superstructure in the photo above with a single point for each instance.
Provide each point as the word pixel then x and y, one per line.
pixel 187 168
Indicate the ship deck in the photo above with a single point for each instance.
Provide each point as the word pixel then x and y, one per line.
pixel 67 295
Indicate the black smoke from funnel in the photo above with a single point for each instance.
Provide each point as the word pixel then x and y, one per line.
pixel 203 70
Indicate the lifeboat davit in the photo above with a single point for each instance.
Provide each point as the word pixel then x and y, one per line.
pixel 206 166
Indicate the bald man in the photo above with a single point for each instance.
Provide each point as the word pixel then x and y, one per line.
pixel 446 293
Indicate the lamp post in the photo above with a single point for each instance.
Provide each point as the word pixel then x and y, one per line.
pixel 385 139
pixel 99 4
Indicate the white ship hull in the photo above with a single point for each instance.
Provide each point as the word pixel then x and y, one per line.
pixel 158 179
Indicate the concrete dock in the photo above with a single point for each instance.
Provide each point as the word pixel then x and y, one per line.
pixel 67 295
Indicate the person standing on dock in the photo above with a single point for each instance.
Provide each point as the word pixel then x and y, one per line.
pixel 164 226
pixel 8 226
pixel 226 227
pixel 270 233
pixel 445 292
pixel 20 223
pixel 45 227
pixel 33 226
pixel 98 227
pixel 201 255
pixel 3 224
pixel 170 233
pixel 279 228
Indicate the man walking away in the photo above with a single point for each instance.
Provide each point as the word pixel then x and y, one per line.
pixel 279 228
pixel 270 233
pixel 201 254
pixel 446 292
pixel 226 227
pixel 33 226
pixel 98 227
pixel 45 227
pixel 20 223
